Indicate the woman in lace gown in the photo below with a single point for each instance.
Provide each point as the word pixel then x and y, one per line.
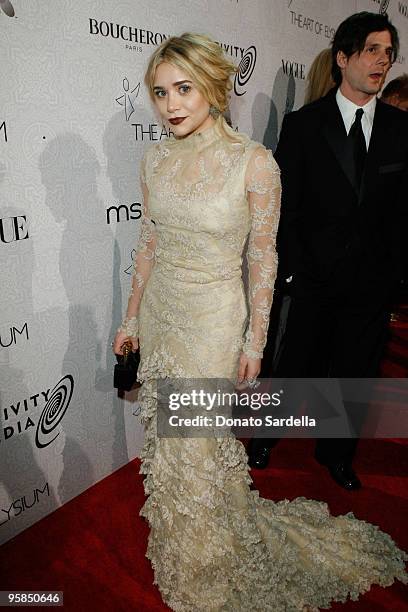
pixel 214 544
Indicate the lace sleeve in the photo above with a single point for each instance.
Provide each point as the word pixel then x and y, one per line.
pixel 264 191
pixel 143 262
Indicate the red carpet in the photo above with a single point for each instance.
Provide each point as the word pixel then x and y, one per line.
pixel 93 547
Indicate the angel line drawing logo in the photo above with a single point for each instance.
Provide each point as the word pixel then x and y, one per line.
pixel 127 99
pixel 7 8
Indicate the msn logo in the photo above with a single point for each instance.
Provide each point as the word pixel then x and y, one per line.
pixel 123 212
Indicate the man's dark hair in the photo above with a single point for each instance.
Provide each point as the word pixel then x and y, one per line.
pixel 398 86
pixel 352 33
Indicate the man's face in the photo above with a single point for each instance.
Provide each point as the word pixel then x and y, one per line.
pixel 364 73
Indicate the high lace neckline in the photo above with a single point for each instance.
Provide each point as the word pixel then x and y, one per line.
pixel 199 139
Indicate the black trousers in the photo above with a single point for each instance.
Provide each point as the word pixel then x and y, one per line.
pixel 339 336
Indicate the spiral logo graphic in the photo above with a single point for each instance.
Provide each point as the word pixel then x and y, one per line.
pixel 53 411
pixel 7 8
pixel 245 70
pixel 384 6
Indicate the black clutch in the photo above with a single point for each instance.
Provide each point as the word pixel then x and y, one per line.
pixel 125 372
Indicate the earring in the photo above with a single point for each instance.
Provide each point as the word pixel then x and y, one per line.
pixel 214 112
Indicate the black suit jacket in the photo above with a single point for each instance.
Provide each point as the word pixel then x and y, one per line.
pixel 333 236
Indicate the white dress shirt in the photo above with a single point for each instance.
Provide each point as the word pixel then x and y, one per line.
pixel 348 112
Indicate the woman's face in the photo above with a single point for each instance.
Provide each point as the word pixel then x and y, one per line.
pixel 179 101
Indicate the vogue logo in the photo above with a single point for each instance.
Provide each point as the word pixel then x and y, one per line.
pixel 22 503
pixel 293 69
pixel 10 337
pixel 13 229
pixel 115 211
pixel 125 32
pixel 56 400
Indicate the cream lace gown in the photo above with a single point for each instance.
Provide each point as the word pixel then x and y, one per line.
pixel 214 543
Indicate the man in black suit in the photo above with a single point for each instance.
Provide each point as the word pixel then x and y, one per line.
pixel 344 221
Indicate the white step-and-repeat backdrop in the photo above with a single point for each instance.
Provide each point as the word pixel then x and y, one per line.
pixel 75 119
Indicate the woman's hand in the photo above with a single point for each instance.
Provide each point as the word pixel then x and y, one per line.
pixel 248 368
pixel 119 341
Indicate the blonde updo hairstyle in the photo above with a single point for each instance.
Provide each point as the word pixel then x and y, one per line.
pixel 203 61
pixel 319 78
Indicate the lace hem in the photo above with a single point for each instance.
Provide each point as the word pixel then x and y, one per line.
pixel 215 545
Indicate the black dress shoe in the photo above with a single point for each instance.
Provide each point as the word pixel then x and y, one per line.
pixel 343 474
pixel 258 457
